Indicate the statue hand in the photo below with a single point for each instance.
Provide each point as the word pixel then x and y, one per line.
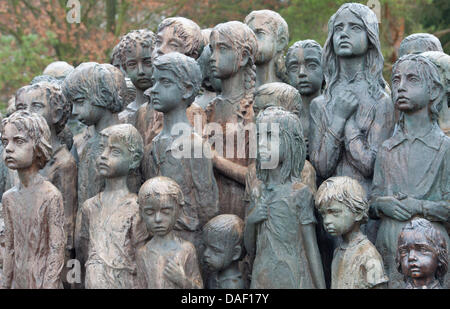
pixel 414 206
pixel 393 208
pixel 259 214
pixel 174 273
pixel 346 104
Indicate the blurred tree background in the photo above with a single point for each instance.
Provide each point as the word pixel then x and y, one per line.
pixel 34 33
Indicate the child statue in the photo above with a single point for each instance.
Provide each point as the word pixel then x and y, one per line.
pixel 176 81
pixel 354 115
pixel 304 70
pixel 422 255
pixel 272 35
pixel 234 47
pixel 33 211
pixel 442 62
pixel 96 92
pixel 135 55
pixel 166 261
pixel 223 238
pixel 48 101
pixel 279 229
pixel 412 169
pixel 344 207
pixel 417 43
pixel 109 226
pixel 286 96
pixel 58 69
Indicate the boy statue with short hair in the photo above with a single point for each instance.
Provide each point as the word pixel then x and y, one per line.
pixel 223 238
pixel 109 225
pixel 166 261
pixel 356 263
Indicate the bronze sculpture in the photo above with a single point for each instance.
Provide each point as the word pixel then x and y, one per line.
pixel 411 175
pixel 33 211
pixel 166 261
pixel 418 43
pixel 344 207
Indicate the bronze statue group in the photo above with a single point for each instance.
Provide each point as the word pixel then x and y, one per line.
pixel 359 196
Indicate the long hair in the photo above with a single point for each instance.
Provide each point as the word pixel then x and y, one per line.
pixel 291 139
pixel 242 40
pixel 374 56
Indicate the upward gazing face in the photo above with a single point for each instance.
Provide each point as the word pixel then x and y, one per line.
pixel 266 38
pixel 409 91
pixel 338 219
pixel 160 214
pixel 18 148
pixel 418 258
pixel 166 93
pixel 167 41
pixel 115 158
pixel 138 66
pixel 350 36
pixel 305 70
pixel 224 58
pixel 35 101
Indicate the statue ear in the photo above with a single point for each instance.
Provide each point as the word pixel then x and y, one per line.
pixel 57 114
pixel 281 44
pixel 237 250
pixel 359 217
pixel 189 91
pixel 244 59
pixel 135 163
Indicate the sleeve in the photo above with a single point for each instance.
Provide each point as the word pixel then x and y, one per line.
pixel 374 271
pixel 305 204
pixel 363 138
pixel 192 270
pixel 325 146
pixel 8 258
pixel 378 183
pixel 206 190
pixel 57 242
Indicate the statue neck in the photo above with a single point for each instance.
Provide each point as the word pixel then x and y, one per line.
pixel 116 185
pixel 55 139
pixel 234 86
pixel 352 235
pixel 108 119
pixel 140 98
pixel 349 66
pixel 266 73
pixel 173 117
pixel 274 175
pixel 417 123
pixel 230 271
pixel 29 175
pixel 307 99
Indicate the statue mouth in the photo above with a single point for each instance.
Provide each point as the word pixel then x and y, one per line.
pixel 345 44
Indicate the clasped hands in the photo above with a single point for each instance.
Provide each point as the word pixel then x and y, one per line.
pixel 398 209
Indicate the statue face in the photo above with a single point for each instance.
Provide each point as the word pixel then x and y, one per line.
pixel 409 91
pixel 167 42
pixel 166 93
pixel 266 38
pixel 418 259
pixel 160 214
pixel 18 148
pixel 115 158
pixel 224 59
pixel 217 255
pixel 338 219
pixel 138 67
pixel 85 112
pixel 305 70
pixel 268 148
pixel 35 101
pixel 350 37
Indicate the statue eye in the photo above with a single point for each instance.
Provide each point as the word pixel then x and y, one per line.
pixel 356 28
pixel 293 68
pixel 131 63
pixel 4 142
pixel 312 66
pixel 116 152
pixel 338 28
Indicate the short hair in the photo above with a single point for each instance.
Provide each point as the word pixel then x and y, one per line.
pixel 55 98
pixel 58 69
pixel 185 68
pixel 304 45
pixel 144 37
pixel 104 83
pixel 130 137
pixel 277 23
pixel 426 40
pixel 345 190
pixel 45 78
pixel 283 95
pixel 37 129
pixel 442 62
pixel 436 239
pixel 160 186
pixel 188 31
pixel 228 228
pixel 429 72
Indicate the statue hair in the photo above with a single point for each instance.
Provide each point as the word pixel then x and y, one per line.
pixel 283 95
pixel 227 228
pixel 427 42
pixel 158 187
pixel 129 42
